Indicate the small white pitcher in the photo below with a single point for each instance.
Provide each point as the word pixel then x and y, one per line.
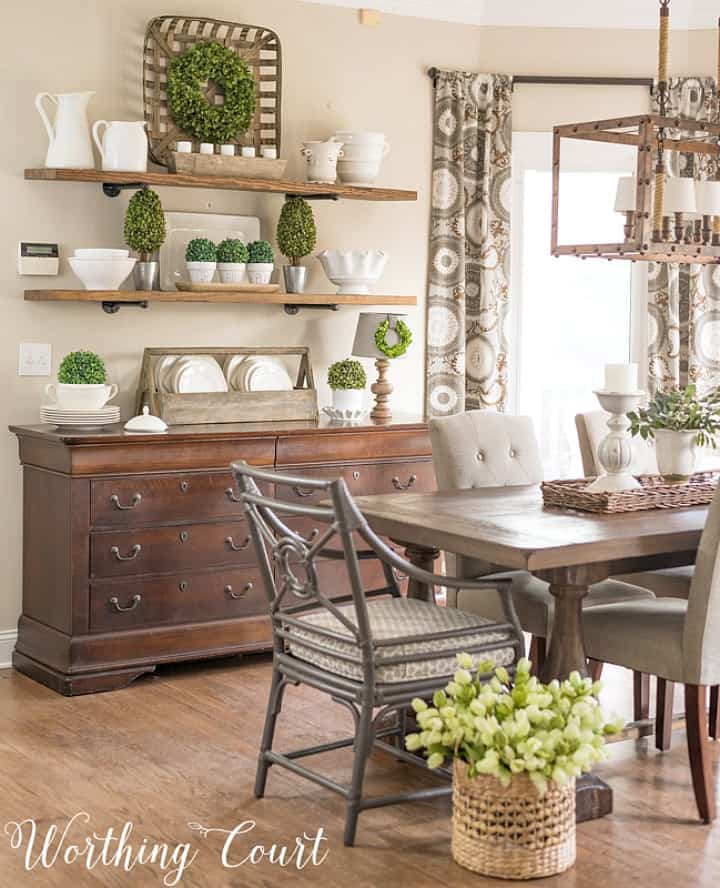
pixel 123 145
pixel 70 146
pixel 322 158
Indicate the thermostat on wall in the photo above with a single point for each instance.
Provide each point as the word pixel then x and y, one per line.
pixel 38 258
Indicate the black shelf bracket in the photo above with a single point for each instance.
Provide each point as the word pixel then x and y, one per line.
pixel 292 308
pixel 113 189
pixel 314 196
pixel 112 308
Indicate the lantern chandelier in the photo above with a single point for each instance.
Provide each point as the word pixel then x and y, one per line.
pixel 666 219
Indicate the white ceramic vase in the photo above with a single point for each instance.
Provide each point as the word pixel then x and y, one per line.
pixel 260 272
pixel 70 146
pixel 322 159
pixel 123 145
pixel 232 272
pixel 348 399
pixel 201 272
pixel 675 453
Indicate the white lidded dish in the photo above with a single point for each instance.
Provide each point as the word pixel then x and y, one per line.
pixel 146 423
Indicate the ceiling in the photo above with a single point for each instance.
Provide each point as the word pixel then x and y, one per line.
pixel 684 14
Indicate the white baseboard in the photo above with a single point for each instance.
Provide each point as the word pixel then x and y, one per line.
pixel 8 637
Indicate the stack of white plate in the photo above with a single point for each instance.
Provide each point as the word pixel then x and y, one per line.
pixel 249 373
pixel 53 414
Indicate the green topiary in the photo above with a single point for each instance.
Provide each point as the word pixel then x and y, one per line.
pixel 296 232
pixel 260 251
pixel 200 249
pixel 189 106
pixel 82 368
pixel 347 374
pixel 232 250
pixel 145 223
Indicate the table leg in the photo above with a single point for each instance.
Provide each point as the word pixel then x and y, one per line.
pixel 566 653
pixel 423 557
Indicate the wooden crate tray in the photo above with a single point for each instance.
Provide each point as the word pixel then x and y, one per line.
pixel 226 165
pixel 300 403
pixel 655 493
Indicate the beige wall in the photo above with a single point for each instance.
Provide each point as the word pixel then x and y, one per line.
pixel 337 74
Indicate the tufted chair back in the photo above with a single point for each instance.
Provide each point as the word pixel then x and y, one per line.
pixel 484 449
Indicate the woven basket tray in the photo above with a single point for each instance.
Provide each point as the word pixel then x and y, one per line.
pixel 655 493
pixel 511 833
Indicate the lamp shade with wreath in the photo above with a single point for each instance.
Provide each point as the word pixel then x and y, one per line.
pixel 384 337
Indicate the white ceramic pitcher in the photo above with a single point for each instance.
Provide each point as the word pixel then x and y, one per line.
pixel 322 158
pixel 123 145
pixel 70 145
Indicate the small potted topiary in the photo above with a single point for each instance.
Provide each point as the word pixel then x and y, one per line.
pixel 232 257
pixel 145 233
pixel 261 262
pixel 347 380
pixel 296 237
pixel 82 382
pixel 201 260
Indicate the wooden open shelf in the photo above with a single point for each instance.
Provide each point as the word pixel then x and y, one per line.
pixel 232 183
pixel 244 297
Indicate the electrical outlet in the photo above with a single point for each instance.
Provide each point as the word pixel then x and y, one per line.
pixel 34 359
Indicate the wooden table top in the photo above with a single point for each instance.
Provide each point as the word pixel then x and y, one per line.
pixel 510 526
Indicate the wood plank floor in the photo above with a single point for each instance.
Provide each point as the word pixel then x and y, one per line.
pixel 181 747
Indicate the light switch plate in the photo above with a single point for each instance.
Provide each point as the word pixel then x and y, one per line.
pixel 34 359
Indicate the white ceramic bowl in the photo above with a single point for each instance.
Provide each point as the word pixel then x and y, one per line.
pixel 356 172
pixel 101 253
pixel 101 274
pixel 352 137
pixel 353 271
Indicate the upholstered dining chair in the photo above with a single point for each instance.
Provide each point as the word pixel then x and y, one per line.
pixel 483 449
pixel 370 650
pixel 678 640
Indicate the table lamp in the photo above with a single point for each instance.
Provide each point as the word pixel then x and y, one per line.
pixel 365 347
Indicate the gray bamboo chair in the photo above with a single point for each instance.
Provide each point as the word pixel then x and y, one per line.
pixel 481 449
pixel 372 650
pixel 677 640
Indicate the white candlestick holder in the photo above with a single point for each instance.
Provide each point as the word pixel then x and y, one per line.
pixel 615 451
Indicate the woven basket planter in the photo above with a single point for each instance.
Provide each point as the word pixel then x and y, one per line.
pixel 512 832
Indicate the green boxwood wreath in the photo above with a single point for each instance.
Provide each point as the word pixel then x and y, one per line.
pixel 189 107
pixel 404 336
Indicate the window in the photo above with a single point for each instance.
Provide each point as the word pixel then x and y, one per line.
pixel 570 316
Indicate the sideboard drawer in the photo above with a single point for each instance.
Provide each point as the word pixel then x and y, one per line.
pixel 417 476
pixel 130 501
pixel 181 598
pixel 119 553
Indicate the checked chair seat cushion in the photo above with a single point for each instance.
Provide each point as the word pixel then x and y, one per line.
pixel 397 618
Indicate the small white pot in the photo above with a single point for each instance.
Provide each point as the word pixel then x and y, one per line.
pixel 232 272
pixel 348 399
pixel 81 396
pixel 260 272
pixel 675 453
pixel 201 272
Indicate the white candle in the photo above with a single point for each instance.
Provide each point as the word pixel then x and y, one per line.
pixel 207 148
pixel 248 151
pixel 269 152
pixel 227 150
pixel 621 378
pixel 183 147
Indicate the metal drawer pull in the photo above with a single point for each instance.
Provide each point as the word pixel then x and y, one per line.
pixel 236 595
pixel 230 494
pixel 115 602
pixel 134 552
pixel 135 501
pixel 182 586
pixel 303 491
pixel 184 486
pixel 183 536
pixel 233 545
pixel 398 485
pixel 356 475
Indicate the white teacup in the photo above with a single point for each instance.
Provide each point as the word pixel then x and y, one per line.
pixel 91 396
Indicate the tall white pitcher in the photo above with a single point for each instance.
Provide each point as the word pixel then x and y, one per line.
pixel 69 134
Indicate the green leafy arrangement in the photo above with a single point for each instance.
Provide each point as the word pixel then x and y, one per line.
pixel 232 250
pixel 296 231
pixel 189 107
pixel 260 251
pixel 680 411
pixel 404 334
pixel 347 374
pixel 82 368
pixel 145 223
pixel 201 249
pixel 502 727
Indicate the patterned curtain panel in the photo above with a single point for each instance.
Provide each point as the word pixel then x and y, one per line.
pixel 684 300
pixel 469 243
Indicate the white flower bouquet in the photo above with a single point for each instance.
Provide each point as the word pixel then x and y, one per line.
pixel 501 727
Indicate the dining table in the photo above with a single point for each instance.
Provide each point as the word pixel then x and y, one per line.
pixel 511 528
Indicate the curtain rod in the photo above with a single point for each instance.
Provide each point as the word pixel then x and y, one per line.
pixel 552 80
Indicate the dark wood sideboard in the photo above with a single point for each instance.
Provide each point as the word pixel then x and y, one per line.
pixel 135 554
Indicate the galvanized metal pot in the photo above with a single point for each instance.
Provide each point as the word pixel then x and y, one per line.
pixel 295 277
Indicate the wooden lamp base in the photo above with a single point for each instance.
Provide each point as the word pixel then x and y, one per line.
pixel 382 389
